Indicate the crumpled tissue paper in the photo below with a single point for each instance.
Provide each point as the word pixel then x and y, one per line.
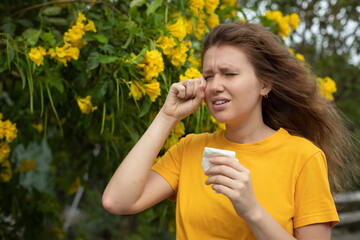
pixel 211 152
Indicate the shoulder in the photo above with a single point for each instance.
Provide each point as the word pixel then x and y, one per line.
pixel 300 144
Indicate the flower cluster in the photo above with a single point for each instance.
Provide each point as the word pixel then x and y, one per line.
pixel 72 44
pixel 139 89
pixel 152 65
pixel 190 73
pixel 285 23
pixel 176 53
pixel 85 105
pixel 27 166
pixel 8 132
pixel 327 87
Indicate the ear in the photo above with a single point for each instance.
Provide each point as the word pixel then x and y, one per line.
pixel 265 88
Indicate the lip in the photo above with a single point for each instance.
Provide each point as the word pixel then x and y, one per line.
pixel 218 107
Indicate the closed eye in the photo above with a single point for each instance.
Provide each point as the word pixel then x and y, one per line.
pixel 208 77
pixel 230 74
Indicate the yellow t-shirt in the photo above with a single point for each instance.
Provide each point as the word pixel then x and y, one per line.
pixel 289 176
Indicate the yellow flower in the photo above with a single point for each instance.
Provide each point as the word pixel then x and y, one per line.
pixel 4 151
pixel 78 43
pixel 190 73
pixel 294 21
pixel 327 87
pixel 85 105
pixel 8 130
pixel 166 43
pixel 27 166
pixel 274 15
pixel 81 18
pixel 153 90
pixel 74 186
pixel 153 65
pixel 72 53
pixel 39 127
pixel 178 29
pixel 196 6
pixel 200 28
pixel 5 171
pixel 90 26
pixel 137 91
pixel 211 5
pixel 178 55
pixel 291 51
pixel 60 52
pixel 62 60
pixel 284 29
pixel 300 57
pixel 193 62
pixel 51 52
pixel 189 25
pixel 212 20
pixel 74 33
pixel 130 59
pixel 36 56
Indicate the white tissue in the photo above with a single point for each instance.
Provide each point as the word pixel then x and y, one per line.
pixel 211 152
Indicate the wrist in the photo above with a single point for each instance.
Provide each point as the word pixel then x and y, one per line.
pixel 255 215
pixel 167 119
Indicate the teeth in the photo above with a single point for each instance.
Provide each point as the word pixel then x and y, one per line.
pixel 220 102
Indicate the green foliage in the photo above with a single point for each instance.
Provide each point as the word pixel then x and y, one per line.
pixel 70 144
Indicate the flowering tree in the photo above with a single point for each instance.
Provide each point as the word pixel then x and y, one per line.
pixel 80 82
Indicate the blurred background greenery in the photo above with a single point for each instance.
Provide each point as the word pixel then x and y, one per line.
pixel 81 80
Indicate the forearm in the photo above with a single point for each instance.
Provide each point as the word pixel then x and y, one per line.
pixel 127 183
pixel 265 227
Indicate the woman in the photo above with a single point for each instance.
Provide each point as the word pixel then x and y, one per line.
pixel 277 124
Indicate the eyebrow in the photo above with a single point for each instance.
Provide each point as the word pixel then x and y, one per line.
pixel 222 69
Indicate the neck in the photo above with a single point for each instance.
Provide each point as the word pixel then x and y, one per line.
pixel 248 134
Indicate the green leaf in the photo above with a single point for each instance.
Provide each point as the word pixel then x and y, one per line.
pixel 100 38
pixel 93 61
pixel 107 59
pixel 58 21
pixel 52 11
pixel 136 3
pixel 47 37
pixel 32 36
pixel 53 79
pixel 153 6
pixel 145 107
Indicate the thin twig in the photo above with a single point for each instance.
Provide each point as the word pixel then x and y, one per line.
pixel 66 1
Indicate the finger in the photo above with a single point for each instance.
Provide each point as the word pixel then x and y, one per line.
pixel 190 88
pixel 224 171
pixel 228 161
pixel 179 90
pixel 230 193
pixel 222 180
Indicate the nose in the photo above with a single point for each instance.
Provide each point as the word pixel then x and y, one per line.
pixel 216 84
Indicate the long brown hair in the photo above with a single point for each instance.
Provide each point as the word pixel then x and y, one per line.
pixel 294 102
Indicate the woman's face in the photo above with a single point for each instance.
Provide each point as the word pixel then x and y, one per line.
pixel 233 93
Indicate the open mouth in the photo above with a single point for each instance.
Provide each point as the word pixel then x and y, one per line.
pixel 219 102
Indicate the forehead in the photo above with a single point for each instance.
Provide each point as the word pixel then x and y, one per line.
pixel 224 57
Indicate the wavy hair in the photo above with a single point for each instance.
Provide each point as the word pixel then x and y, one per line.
pixel 294 102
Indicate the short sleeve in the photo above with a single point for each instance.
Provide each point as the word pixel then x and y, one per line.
pixel 313 199
pixel 168 166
